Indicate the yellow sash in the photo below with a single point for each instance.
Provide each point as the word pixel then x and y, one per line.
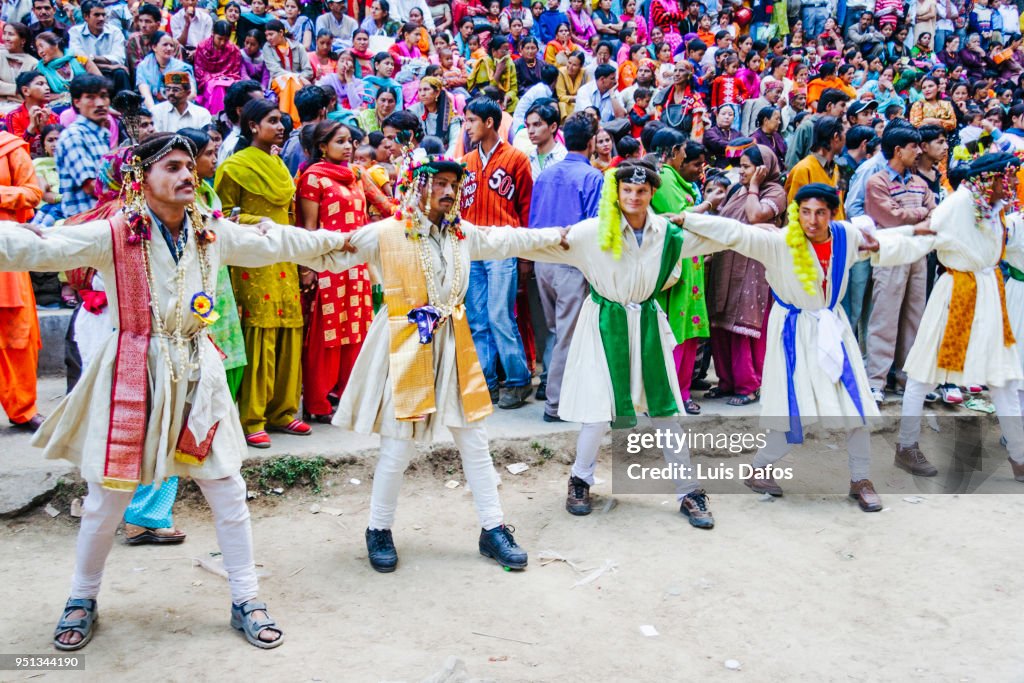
pixel 957 334
pixel 412 363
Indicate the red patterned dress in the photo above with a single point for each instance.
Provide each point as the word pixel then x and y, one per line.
pixel 340 310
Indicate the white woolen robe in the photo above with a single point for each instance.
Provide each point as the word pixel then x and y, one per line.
pixel 77 429
pixel 367 406
pixel 963 244
pixel 1015 288
pixel 587 393
pixel 821 401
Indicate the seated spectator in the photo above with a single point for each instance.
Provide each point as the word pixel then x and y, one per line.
pixel 59 68
pixel 177 112
pixel 29 119
pixel 48 211
pixel 253 66
pixel 383 70
pixel 361 53
pixel 140 44
pixel 288 65
pixel 385 101
pixel 339 25
pixel 102 42
pixel 149 77
pixel 379 22
pixel 256 18
pixel 44 18
pixel 300 27
pixel 14 61
pixel 324 60
pixel 496 69
pixel 218 64
pixel 560 47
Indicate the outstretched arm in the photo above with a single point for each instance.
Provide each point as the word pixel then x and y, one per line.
pixel 64 248
pixel 708 234
pixel 906 244
pixel 272 243
pixel 548 245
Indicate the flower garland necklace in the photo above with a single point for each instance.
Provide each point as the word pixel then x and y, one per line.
pixel 433 293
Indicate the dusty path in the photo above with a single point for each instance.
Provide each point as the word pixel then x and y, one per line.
pixel 802 588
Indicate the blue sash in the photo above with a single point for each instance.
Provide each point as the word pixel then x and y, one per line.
pixel 796 430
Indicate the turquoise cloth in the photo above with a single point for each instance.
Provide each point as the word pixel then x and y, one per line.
pixel 151 507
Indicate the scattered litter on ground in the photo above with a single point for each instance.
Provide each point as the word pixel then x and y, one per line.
pixel 609 506
pixel 767 498
pixel 278 491
pixel 932 422
pixel 511 640
pixel 913 500
pixel 314 508
pixel 675 591
pixel 76 507
pixel 452 484
pixel 732 664
pixel 499 658
pixel 354 482
pixel 52 511
pixel 517 467
pixel 648 630
pixel 608 566
pixel 214 566
pixel 295 572
pixel 327 510
pixel 846 555
pixel 546 557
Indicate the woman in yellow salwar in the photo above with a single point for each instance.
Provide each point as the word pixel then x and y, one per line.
pixel 258 184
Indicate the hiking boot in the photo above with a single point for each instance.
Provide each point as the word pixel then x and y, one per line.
pixel 380 549
pixel 763 484
pixel 695 506
pixel 578 501
pixel 863 492
pixel 499 545
pixel 911 459
pixel 514 397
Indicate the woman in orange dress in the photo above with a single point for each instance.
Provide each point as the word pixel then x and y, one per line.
pixel 334 195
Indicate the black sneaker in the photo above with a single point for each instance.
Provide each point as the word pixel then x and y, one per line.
pixel 695 506
pixel 577 502
pixel 552 418
pixel 499 544
pixel 380 549
pixel 542 392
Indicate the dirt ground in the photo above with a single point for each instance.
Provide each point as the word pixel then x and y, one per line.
pixel 806 587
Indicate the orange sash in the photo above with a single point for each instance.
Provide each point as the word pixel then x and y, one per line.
pixel 957 334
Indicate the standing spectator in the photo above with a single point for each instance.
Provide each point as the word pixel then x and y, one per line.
pixel 81 147
pixel 566 192
pixel 311 104
pixel 102 42
pixel 177 112
pixel 859 142
pixel 20 339
pixel 542 127
pixel 863 35
pixel 497 191
pixel 820 166
pixel 832 103
pixel 896 196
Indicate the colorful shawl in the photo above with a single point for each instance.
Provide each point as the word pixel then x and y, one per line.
pixel 212 63
pixel 50 70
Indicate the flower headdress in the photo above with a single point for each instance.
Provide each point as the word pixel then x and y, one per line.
pixel 414 184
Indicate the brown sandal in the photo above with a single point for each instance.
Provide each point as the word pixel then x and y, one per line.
pixel 154 536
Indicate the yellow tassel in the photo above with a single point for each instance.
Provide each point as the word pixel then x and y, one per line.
pixel 119 484
pixel 188 459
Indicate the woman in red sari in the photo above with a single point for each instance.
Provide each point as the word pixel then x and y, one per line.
pixel 334 196
pixel 218 64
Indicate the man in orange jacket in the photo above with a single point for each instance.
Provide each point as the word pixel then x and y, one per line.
pixel 20 340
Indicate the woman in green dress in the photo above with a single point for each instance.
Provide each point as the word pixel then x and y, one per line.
pixel 257 182
pixel 684 304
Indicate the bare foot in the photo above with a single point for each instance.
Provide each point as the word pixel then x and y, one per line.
pixel 73 637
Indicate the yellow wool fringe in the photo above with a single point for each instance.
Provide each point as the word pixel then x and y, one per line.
pixel 803 264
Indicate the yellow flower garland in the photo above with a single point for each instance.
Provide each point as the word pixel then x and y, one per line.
pixel 609 218
pixel 803 263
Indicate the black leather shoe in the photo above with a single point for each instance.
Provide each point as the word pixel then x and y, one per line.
pixel 552 418
pixel 499 544
pixel 380 549
pixel 542 392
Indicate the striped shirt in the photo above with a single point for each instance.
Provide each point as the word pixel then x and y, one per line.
pixel 497 190
pixel 892 199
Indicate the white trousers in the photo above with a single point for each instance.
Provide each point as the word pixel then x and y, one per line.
pixel 589 443
pixel 1007 401
pixel 102 512
pixel 395 455
pixel 858 448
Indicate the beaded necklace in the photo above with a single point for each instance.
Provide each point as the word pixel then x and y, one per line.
pixel 433 292
pixel 181 363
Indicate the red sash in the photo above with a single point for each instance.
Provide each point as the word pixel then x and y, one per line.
pixel 129 409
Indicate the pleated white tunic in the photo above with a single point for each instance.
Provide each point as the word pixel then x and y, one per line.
pixel 964 244
pixel 77 429
pixel 367 406
pixel 821 402
pixel 1015 288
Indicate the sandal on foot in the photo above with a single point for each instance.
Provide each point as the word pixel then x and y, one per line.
pixel 258 439
pixel 295 428
pixel 716 392
pixel 691 407
pixel 251 627
pixel 140 535
pixel 743 399
pixel 83 626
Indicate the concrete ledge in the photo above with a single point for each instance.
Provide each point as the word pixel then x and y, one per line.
pixel 53 325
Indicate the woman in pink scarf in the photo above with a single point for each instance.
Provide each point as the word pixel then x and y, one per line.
pixel 666 15
pixel 582 25
pixel 218 64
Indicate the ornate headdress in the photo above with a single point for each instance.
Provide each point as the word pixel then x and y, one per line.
pixel 414 184
pixel 979 174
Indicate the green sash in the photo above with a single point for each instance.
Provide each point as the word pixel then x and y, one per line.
pixel 615 336
pixel 1014 273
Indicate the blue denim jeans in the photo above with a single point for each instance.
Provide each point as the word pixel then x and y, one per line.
pixel 490 303
pixel 814 19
